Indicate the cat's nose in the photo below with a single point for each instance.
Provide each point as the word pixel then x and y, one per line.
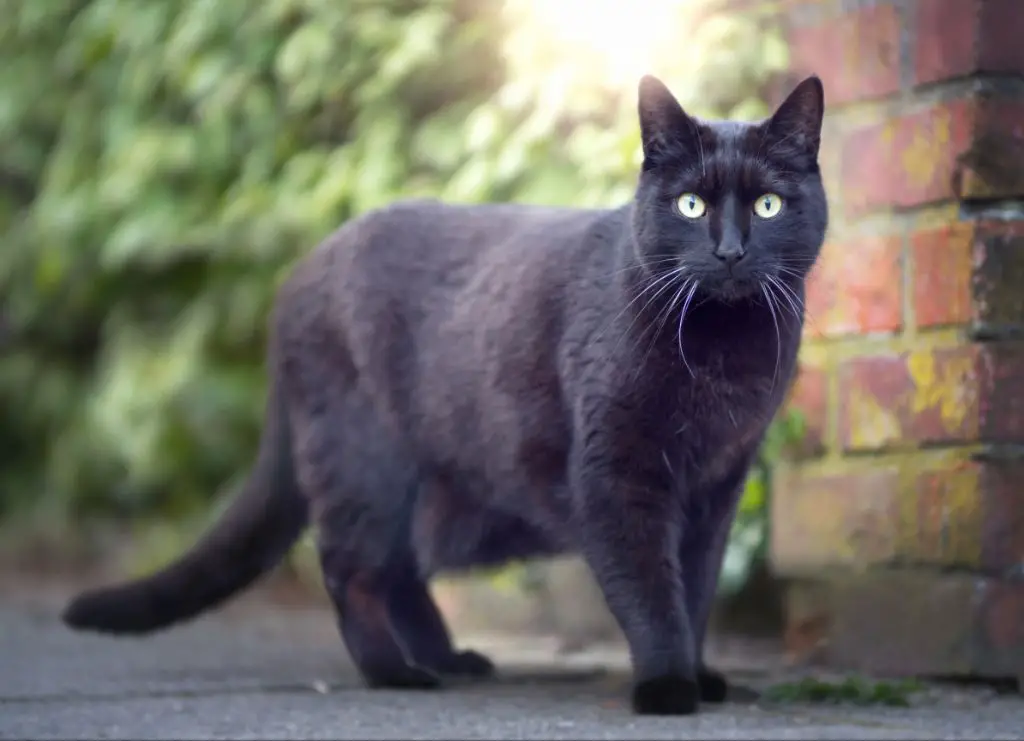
pixel 730 253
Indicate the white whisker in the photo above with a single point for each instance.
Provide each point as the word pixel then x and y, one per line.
pixel 665 313
pixel 666 286
pixel 768 296
pixel 665 280
pixel 794 302
pixel 682 317
pixel 797 303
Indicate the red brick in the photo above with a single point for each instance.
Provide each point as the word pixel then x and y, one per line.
pixel 970 272
pixel 941 518
pixel 856 55
pixel 958 38
pixel 857 288
pixel 942 267
pixel 892 401
pixel 841 519
pixel 946 512
pixel 968 514
pixel 919 622
pixel 907 161
pixel 961 394
pixel 809 396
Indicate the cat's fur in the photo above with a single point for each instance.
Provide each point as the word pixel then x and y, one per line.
pixel 459 385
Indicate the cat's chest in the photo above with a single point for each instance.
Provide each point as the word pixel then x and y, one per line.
pixel 714 421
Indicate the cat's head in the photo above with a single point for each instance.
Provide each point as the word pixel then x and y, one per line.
pixel 730 206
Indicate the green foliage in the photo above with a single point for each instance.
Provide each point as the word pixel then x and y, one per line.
pixel 162 164
pixel 852 690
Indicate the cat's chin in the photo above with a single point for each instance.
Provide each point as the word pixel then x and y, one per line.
pixel 733 290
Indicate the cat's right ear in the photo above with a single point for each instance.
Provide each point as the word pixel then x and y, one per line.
pixel 665 128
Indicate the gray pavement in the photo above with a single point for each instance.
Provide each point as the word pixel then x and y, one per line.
pixel 255 671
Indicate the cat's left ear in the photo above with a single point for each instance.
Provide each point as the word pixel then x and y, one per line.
pixel 796 124
pixel 665 128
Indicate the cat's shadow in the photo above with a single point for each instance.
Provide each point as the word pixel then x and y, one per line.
pixel 602 681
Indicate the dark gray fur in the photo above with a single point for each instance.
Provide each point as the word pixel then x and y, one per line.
pixel 463 385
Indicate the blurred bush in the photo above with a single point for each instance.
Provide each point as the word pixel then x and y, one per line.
pixel 162 163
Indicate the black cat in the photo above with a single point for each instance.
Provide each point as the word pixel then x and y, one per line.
pixel 460 385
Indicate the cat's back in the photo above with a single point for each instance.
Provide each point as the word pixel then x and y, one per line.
pixel 390 282
pixel 415 258
pixel 440 240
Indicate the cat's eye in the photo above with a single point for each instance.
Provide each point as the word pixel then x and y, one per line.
pixel 691 205
pixel 768 206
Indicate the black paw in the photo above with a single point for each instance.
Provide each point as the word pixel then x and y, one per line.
pixel 468 664
pixel 666 695
pixel 404 678
pixel 713 686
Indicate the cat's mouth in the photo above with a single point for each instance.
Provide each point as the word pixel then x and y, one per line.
pixel 732 287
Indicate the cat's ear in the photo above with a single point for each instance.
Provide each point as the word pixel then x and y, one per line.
pixel 665 128
pixel 796 124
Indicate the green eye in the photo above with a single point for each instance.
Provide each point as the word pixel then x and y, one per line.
pixel 768 206
pixel 692 206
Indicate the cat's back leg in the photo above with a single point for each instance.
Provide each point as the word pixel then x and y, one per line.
pixel 363 487
pixel 355 478
pixel 390 623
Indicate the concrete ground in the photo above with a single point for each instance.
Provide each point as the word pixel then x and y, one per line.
pixel 261 671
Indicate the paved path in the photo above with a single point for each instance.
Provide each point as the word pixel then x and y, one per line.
pixel 254 672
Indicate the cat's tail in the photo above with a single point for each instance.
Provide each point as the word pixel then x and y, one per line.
pixel 255 532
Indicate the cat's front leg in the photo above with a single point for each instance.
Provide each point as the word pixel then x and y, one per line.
pixel 709 519
pixel 630 539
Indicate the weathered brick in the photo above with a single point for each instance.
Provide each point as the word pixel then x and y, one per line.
pixel 964 149
pixel 926 623
pixel 970 272
pixel 925 396
pixel 1000 373
pixel 942 268
pixel 843 519
pixel 857 288
pixel 809 396
pixel 946 512
pixel 998 264
pixel 907 161
pixel 806 615
pixel 1002 626
pixel 966 514
pixel 992 166
pixel 1002 531
pixel 948 395
pixel 957 38
pixel 942 515
pixel 856 54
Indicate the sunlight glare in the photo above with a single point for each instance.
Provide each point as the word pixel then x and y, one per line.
pixel 624 34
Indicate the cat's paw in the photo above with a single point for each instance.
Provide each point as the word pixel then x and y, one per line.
pixel 713 686
pixel 666 695
pixel 468 664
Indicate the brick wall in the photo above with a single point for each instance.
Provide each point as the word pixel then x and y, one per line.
pixel 909 492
